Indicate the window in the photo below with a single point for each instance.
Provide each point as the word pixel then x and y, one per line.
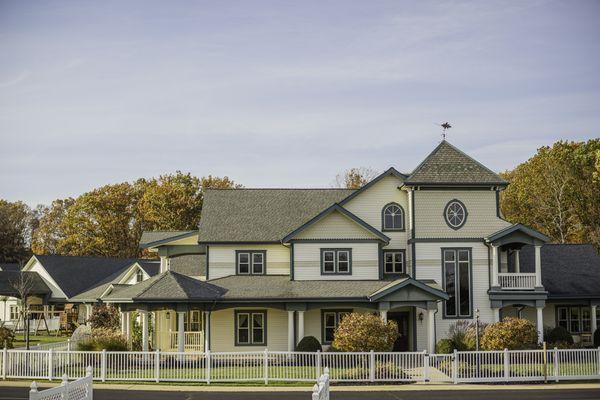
pixel 251 262
pixel 192 321
pixel 455 214
pixel 575 319
pixel 139 275
pixel 393 261
pixel 330 319
pixel 456 265
pixel 14 313
pixel 336 261
pixel 392 217
pixel 250 328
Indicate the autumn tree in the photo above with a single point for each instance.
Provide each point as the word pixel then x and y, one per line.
pixel 557 192
pixel 355 178
pixel 16 221
pixel 48 233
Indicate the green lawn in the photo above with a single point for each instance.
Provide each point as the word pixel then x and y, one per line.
pixel 37 339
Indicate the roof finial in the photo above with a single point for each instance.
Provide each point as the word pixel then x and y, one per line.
pixel 446 126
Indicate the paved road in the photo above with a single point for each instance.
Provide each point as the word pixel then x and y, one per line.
pixel 20 393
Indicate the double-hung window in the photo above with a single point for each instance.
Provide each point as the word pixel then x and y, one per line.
pixel 14 313
pixel 456 269
pixel 336 261
pixel 330 321
pixel 250 328
pixel 575 319
pixel 393 261
pixel 139 276
pixel 251 262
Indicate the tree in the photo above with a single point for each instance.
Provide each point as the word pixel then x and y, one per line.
pixel 557 192
pixel 355 178
pixel 215 182
pixel 365 332
pixel 16 221
pixel 48 233
pixel 105 317
pixel 22 286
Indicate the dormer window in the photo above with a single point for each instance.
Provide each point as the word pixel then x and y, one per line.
pixel 393 217
pixel 139 276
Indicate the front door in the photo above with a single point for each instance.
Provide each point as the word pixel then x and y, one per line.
pixel 401 318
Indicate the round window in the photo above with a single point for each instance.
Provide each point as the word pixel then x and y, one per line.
pixel 455 214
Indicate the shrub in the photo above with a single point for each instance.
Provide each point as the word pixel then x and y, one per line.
pixel 104 316
pixel 463 335
pixel 6 337
pixel 597 338
pixel 309 343
pixel 445 346
pixel 365 332
pixel 511 333
pixel 104 339
pixel 558 335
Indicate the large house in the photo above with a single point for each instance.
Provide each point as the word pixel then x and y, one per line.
pixel 426 249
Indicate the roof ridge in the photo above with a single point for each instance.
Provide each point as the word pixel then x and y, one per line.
pixel 209 286
pixel 275 188
pixel 159 278
pixel 97 257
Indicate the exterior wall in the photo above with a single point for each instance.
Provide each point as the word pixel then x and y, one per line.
pixel 335 226
pixel 221 259
pixel 313 322
pixel 222 335
pixel 307 260
pixel 162 328
pixel 5 308
pixel 429 266
pixel 481 214
pixel 369 204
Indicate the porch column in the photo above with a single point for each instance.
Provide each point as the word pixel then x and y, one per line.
pixel 290 331
pixel 538 266
pixel 180 332
pixel 123 323
pixel 594 321
pixel 495 266
pixel 206 330
pixel 144 316
pixel 300 325
pixel 383 315
pixel 517 261
pixel 496 314
pixel 88 311
pixel 431 331
pixel 164 264
pixel 540 324
pixel 127 316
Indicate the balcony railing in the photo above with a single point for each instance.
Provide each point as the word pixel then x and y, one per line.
pixel 517 281
pixel 192 341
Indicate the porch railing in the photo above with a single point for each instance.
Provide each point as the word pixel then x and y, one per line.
pixel 517 281
pixel 280 366
pixel 192 341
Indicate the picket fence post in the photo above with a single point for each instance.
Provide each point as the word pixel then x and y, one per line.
pixel 4 362
pixel 266 366
pixel 455 367
pixel 319 356
pixel 69 344
pixel 50 364
pixel 506 365
pixel 208 362
pixel 65 385
pixel 598 360
pixel 103 366
pixel 425 366
pixel 157 365
pixel 556 365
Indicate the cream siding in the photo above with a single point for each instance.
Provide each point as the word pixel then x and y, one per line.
pixel 429 266
pixel 335 226
pixel 481 209
pixel 221 259
pixel 307 260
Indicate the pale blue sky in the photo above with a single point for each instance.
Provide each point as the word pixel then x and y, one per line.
pixel 283 93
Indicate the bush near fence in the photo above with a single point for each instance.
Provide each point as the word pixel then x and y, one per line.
pixel 272 366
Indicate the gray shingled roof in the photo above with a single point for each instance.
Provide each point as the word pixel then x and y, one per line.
pixel 568 270
pixel 448 165
pixel 77 274
pixel 149 237
pixel 9 278
pixel 169 286
pixel 10 267
pixel 261 215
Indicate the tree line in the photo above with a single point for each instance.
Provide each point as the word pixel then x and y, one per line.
pixel 557 191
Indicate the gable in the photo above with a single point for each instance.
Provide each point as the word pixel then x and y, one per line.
pixel 335 226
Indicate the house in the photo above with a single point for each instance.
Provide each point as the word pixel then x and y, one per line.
pixel 426 249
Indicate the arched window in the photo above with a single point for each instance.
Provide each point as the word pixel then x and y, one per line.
pixel 139 275
pixel 393 217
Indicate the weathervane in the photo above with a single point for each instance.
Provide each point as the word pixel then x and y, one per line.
pixel 446 126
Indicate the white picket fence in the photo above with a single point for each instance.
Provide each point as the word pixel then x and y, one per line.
pixel 280 366
pixel 321 388
pixel 79 389
pixel 65 345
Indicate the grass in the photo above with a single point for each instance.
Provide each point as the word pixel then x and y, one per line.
pixel 37 339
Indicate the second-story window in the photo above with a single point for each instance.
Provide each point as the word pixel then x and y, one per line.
pixel 139 276
pixel 251 262
pixel 336 261
pixel 392 217
pixel 393 261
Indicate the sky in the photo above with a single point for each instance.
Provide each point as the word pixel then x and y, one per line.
pixel 283 93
